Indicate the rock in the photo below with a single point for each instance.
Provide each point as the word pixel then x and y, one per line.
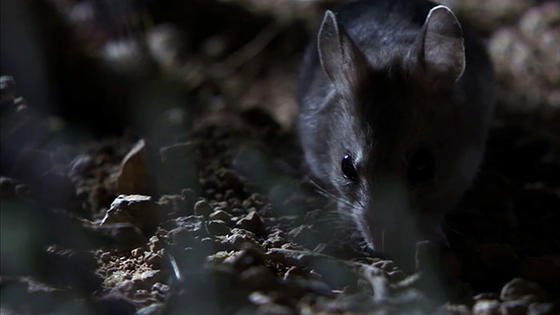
pixel 182 236
pixel 257 277
pixel 486 307
pixel 8 187
pixel 514 307
pixel 202 208
pixel 246 258
pixel 54 188
pixel 134 175
pixel 253 223
pixel 139 210
pixel 99 197
pixel 22 191
pixel 275 240
pixel 71 268
pixel 179 169
pixel 241 239
pixel 114 302
pixel 545 270
pixel 152 309
pixel 526 61
pixel 81 164
pixel 427 256
pixel 146 278
pixel 452 309
pixel 486 296
pixel 500 260
pixel 176 204
pixel 228 179
pixel 119 235
pixel 274 309
pixel 542 309
pixel 519 288
pixel 217 227
pixel 260 298
pixel 220 215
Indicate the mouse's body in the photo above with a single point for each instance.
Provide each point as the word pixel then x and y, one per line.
pixel 395 100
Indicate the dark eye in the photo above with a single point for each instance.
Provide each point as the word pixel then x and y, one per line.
pixel 348 168
pixel 421 166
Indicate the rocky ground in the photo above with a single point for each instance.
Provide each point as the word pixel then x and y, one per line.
pixel 205 207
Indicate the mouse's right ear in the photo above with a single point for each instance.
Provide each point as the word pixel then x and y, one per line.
pixel 343 62
pixel 440 46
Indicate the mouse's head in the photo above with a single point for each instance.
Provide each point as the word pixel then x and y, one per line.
pixel 395 147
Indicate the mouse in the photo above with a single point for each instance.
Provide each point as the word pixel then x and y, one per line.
pixel 395 99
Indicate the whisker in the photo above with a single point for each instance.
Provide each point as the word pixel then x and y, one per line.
pixel 325 193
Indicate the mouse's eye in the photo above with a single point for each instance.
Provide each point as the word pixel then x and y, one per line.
pixel 348 168
pixel 421 166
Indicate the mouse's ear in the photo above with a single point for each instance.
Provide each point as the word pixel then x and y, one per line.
pixel 343 62
pixel 440 46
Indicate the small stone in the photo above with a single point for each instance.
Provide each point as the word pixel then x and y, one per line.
pixel 54 188
pixel 81 164
pixel 220 215
pixel 217 227
pixel 486 307
pixel 122 235
pixel 136 252
pixel 147 278
pixel 259 298
pixel 179 168
pixel 519 288
pixel 253 223
pixel 542 309
pixel 452 309
pixel 152 309
pixel 246 258
pixel 514 307
pixel 7 187
pixel 257 277
pixel 545 269
pixel 486 296
pixel 229 179
pixel 163 288
pixel 134 175
pixel 22 191
pixel 274 309
pixel 139 210
pixel 202 208
pixel 497 256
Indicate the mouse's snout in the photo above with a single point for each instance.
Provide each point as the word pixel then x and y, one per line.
pixel 387 220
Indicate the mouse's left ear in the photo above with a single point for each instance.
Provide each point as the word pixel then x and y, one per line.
pixel 440 46
pixel 342 61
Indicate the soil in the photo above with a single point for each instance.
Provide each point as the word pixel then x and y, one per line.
pixel 182 189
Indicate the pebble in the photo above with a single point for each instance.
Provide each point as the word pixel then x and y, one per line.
pixel 544 269
pixel 486 307
pixel 139 210
pixel 543 309
pixel 519 288
pixel 147 278
pixel 217 227
pixel 253 223
pixel 134 177
pixel 514 307
pixel 202 208
pixel 7 187
pixel 257 277
pixel 220 215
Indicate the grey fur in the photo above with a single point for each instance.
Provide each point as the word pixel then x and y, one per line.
pixel 402 81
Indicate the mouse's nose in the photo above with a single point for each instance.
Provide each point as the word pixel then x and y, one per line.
pixel 389 219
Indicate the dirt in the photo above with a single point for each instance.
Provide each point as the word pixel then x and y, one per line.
pixel 207 209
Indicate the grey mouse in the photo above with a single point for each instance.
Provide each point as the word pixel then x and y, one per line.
pixel 395 102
